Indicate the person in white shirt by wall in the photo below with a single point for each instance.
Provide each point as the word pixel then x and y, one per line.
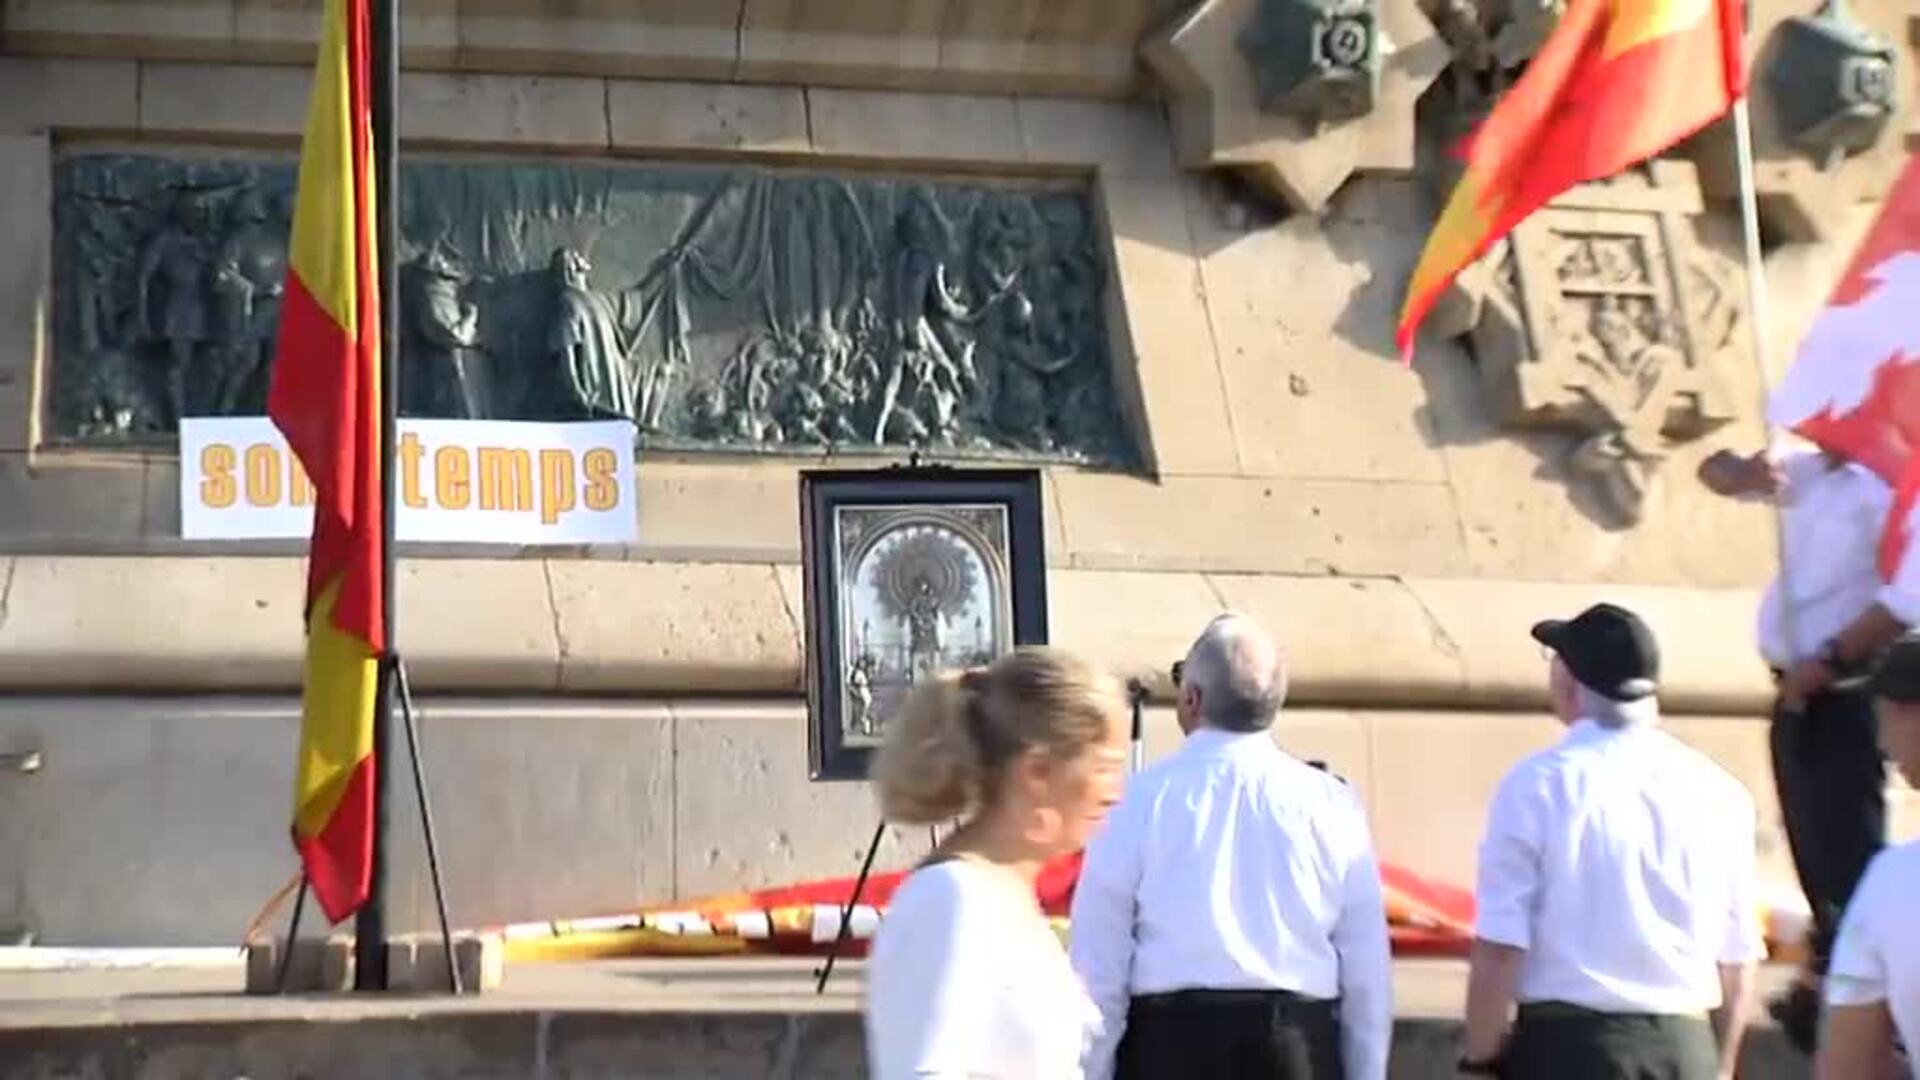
pixel 1228 921
pixel 1615 888
pixel 1873 985
pixel 1826 766
pixel 967 979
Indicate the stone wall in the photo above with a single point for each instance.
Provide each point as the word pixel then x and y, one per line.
pixel 646 738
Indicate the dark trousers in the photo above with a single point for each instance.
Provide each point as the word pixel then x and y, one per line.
pixel 1229 1034
pixel 1832 784
pixel 1552 1041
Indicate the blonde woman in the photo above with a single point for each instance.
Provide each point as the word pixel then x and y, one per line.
pixel 967 979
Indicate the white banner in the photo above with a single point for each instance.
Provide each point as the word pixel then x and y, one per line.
pixel 459 482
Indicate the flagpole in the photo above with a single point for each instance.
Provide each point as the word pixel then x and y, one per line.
pixel 370 925
pixel 1758 320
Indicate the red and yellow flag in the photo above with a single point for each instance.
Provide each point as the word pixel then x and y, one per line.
pixel 1617 82
pixel 326 399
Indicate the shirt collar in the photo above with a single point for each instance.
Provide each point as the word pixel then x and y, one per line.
pixel 1587 729
pixel 1212 741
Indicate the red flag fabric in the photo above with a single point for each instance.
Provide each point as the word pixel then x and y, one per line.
pixel 1854 386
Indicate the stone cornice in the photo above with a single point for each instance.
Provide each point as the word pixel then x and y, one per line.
pixel 187 624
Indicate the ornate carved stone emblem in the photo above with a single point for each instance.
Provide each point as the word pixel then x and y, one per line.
pixel 1297 94
pixel 1315 60
pixel 1829 107
pixel 1599 316
pixel 746 309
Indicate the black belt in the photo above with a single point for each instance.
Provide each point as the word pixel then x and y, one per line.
pixel 1282 1002
pixel 1560 1010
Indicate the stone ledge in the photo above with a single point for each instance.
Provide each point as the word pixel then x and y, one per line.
pixel 104 625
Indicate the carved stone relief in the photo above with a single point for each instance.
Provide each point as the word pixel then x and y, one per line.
pixel 717 308
pixel 1600 317
pixel 1830 96
pixel 1490 42
pixel 1297 95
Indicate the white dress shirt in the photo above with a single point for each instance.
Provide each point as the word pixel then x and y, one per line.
pixel 1832 519
pixel 968 980
pixel 1876 958
pixel 1622 861
pixel 1232 866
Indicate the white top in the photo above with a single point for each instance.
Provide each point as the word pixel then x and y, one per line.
pixel 1877 955
pixel 1832 519
pixel 1622 861
pixel 1232 866
pixel 967 979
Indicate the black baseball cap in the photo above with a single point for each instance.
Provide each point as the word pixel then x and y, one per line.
pixel 1897 676
pixel 1608 649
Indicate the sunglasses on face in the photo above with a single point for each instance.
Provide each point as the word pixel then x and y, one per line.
pixel 1179 667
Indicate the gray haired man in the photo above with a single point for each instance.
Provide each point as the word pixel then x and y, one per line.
pixel 1228 921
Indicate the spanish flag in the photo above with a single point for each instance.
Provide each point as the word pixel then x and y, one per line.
pixel 1617 82
pixel 325 398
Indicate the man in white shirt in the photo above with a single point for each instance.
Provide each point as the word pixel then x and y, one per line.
pixel 1615 894
pixel 1840 615
pixel 1228 921
pixel 1873 985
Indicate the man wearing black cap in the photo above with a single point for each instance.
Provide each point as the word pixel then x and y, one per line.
pixel 1873 986
pixel 1615 890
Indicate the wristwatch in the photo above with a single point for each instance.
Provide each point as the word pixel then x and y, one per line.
pixel 1469 1067
pixel 1831 659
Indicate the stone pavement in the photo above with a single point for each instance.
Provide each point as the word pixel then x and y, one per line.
pixel 631 1018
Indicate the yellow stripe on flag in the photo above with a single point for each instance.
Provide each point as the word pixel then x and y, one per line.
pixel 336 716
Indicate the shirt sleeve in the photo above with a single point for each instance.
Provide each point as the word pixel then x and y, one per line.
pixel 938 1029
pixel 1857 974
pixel 1366 959
pixel 1745 942
pixel 1100 938
pixel 1508 877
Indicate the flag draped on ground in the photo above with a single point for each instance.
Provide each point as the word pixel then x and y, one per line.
pixel 1854 387
pixel 325 398
pixel 1617 82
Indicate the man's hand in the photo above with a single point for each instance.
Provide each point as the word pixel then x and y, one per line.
pixel 1726 473
pixel 1805 679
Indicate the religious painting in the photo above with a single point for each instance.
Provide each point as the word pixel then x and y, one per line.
pixel 910 573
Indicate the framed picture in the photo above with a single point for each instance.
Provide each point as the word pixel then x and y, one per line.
pixel 909 572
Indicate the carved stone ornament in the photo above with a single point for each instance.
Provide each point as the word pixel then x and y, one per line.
pixel 1297 94
pixel 1599 316
pixel 718 308
pixel 1830 104
pixel 1317 61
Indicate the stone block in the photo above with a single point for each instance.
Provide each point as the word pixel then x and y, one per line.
pixel 150 29
pixel 1341 635
pixel 417 963
pixel 1435 773
pixel 638 625
pixel 733 510
pixel 918 128
pixel 745 814
pixel 1134 624
pixel 668 39
pixel 232 99
pixel 180 624
pixel 1707 657
pixel 1119 140
pixel 39 94
pixel 1302 316
pixel 542 809
pixel 653 116
pixel 1254 525
pixel 524 111
pixel 889 43
pixel 74 502
pixel 318 965
pixel 476 624
pixel 1162 331
pixel 151 822
pixel 26 215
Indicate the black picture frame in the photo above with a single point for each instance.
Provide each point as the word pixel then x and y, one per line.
pixel 858 528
